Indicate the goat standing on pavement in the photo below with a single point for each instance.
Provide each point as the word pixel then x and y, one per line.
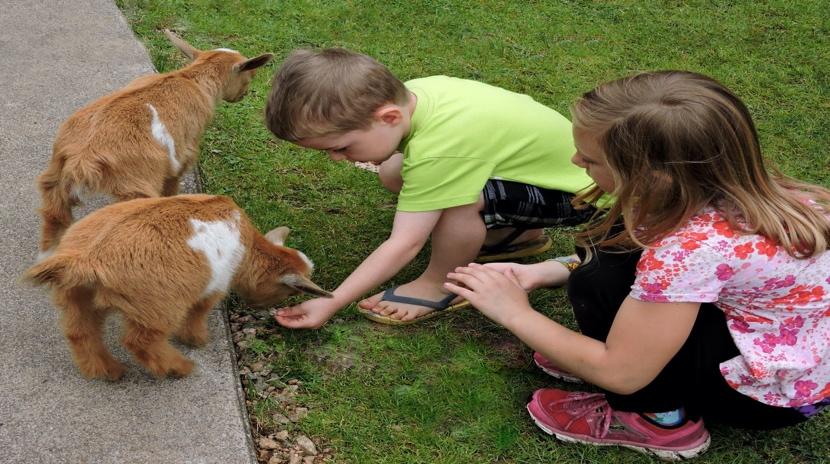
pixel 163 263
pixel 138 141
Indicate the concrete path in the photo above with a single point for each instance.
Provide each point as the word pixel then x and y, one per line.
pixel 57 55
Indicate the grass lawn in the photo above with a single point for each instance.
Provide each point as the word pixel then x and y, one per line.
pixel 453 390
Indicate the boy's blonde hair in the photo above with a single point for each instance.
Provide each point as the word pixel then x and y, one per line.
pixel 676 142
pixel 330 91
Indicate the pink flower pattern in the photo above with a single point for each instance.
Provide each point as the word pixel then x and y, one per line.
pixel 777 307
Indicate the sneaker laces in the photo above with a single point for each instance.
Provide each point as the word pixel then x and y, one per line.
pixel 593 407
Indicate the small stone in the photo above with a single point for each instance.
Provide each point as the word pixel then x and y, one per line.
pixel 243 344
pixel 291 388
pixel 250 331
pixel 282 435
pixel 277 382
pixel 280 419
pixel 295 458
pixel 268 443
pixel 308 460
pixel 298 414
pixel 293 382
pixel 306 444
pixel 257 366
pixel 276 459
pixel 264 455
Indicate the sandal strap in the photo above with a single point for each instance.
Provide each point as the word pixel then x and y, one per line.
pixel 506 241
pixel 444 303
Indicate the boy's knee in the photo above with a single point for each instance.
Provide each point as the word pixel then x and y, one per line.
pixel 390 173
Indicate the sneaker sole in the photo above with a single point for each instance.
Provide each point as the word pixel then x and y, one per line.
pixel 664 454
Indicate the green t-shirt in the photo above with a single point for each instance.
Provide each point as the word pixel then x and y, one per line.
pixel 465 132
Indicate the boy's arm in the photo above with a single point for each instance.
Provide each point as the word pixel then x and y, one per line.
pixel 410 232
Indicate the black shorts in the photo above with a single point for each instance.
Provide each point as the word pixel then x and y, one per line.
pixel 522 206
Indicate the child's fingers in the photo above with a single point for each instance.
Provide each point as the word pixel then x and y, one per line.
pixel 290 311
pixel 463 292
pixel 467 280
pixel 512 276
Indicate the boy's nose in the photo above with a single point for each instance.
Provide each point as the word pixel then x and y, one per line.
pixel 577 160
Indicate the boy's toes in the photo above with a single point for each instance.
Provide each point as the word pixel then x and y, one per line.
pixel 370 302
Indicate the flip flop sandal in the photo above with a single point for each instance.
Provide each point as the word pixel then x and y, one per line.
pixel 514 250
pixel 440 307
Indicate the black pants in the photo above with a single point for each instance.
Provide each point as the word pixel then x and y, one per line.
pixel 692 378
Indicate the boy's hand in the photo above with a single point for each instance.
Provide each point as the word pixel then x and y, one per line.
pixel 497 295
pixel 310 314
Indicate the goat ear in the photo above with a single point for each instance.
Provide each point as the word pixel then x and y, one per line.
pixel 278 235
pixel 189 50
pixel 304 285
pixel 254 63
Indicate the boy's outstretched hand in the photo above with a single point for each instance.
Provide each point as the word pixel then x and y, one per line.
pixel 498 295
pixel 310 314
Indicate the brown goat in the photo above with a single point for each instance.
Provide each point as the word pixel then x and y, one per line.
pixel 138 141
pixel 163 263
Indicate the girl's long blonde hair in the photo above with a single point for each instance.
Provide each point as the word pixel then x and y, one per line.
pixel 676 142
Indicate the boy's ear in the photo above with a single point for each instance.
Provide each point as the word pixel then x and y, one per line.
pixel 389 114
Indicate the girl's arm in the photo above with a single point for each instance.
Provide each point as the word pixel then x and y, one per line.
pixel 643 337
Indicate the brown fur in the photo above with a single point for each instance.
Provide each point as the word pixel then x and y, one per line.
pixel 107 146
pixel 133 257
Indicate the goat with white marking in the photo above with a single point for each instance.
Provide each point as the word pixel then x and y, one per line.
pixel 163 263
pixel 138 141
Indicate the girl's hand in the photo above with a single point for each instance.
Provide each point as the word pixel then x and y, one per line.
pixel 524 274
pixel 499 296
pixel 532 276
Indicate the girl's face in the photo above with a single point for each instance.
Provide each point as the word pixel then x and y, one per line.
pixel 590 156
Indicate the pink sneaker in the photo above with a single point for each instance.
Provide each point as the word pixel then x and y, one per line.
pixel 550 369
pixel 587 418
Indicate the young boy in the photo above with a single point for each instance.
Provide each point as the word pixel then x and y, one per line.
pixel 473 164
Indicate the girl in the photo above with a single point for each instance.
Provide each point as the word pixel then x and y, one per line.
pixel 725 313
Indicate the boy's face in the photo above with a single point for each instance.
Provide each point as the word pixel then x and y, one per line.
pixel 373 145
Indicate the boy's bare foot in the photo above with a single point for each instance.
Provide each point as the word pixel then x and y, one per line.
pixel 419 288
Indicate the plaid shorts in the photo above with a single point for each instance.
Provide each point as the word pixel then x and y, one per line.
pixel 513 204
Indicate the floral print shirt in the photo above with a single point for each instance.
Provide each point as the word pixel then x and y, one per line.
pixel 777 307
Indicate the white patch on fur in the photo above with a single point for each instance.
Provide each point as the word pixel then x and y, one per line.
pixel 220 242
pixel 44 254
pixel 307 261
pixel 225 50
pixel 163 137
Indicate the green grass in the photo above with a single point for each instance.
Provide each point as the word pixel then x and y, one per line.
pixel 453 390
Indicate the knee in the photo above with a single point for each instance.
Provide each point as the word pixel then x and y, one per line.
pixel 392 183
pixel 389 173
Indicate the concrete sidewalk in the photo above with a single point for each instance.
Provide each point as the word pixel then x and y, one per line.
pixel 56 56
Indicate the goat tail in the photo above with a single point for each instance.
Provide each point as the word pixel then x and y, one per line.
pixel 59 270
pixel 56 203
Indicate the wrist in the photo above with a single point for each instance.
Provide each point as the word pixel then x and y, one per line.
pixel 517 317
pixel 570 262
